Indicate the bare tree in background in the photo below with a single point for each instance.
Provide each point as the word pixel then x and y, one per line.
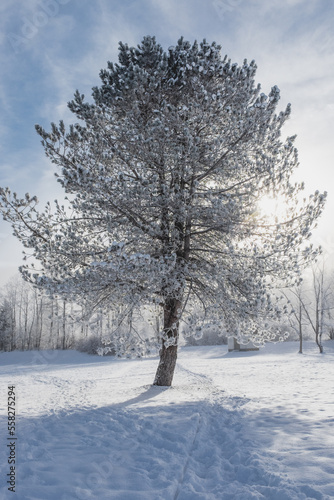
pixel 319 304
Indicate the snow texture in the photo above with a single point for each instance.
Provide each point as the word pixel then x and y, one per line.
pixel 235 426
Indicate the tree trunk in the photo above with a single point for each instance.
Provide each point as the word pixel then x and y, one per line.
pixel 63 346
pixel 168 352
pixel 318 342
pixel 165 371
pixel 300 329
pixel 300 343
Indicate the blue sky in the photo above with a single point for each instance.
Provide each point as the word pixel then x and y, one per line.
pixel 50 48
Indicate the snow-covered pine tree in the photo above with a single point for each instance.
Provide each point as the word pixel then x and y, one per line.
pixel 163 173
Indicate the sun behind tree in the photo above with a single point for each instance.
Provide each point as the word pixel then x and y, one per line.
pixel 163 173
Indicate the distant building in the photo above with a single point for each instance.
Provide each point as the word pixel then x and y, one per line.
pixel 233 345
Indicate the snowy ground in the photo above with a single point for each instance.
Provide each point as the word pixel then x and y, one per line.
pixel 234 426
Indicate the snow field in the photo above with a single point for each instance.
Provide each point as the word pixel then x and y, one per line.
pixel 233 426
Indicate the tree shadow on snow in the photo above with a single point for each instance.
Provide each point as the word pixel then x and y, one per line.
pixel 162 451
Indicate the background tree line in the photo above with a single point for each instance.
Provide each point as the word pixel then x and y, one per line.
pixel 30 319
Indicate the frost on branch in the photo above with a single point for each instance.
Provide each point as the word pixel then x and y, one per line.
pixel 163 171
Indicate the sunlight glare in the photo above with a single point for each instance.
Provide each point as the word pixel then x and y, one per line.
pixel 272 209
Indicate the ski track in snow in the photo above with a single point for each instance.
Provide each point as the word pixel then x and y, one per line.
pixel 232 427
